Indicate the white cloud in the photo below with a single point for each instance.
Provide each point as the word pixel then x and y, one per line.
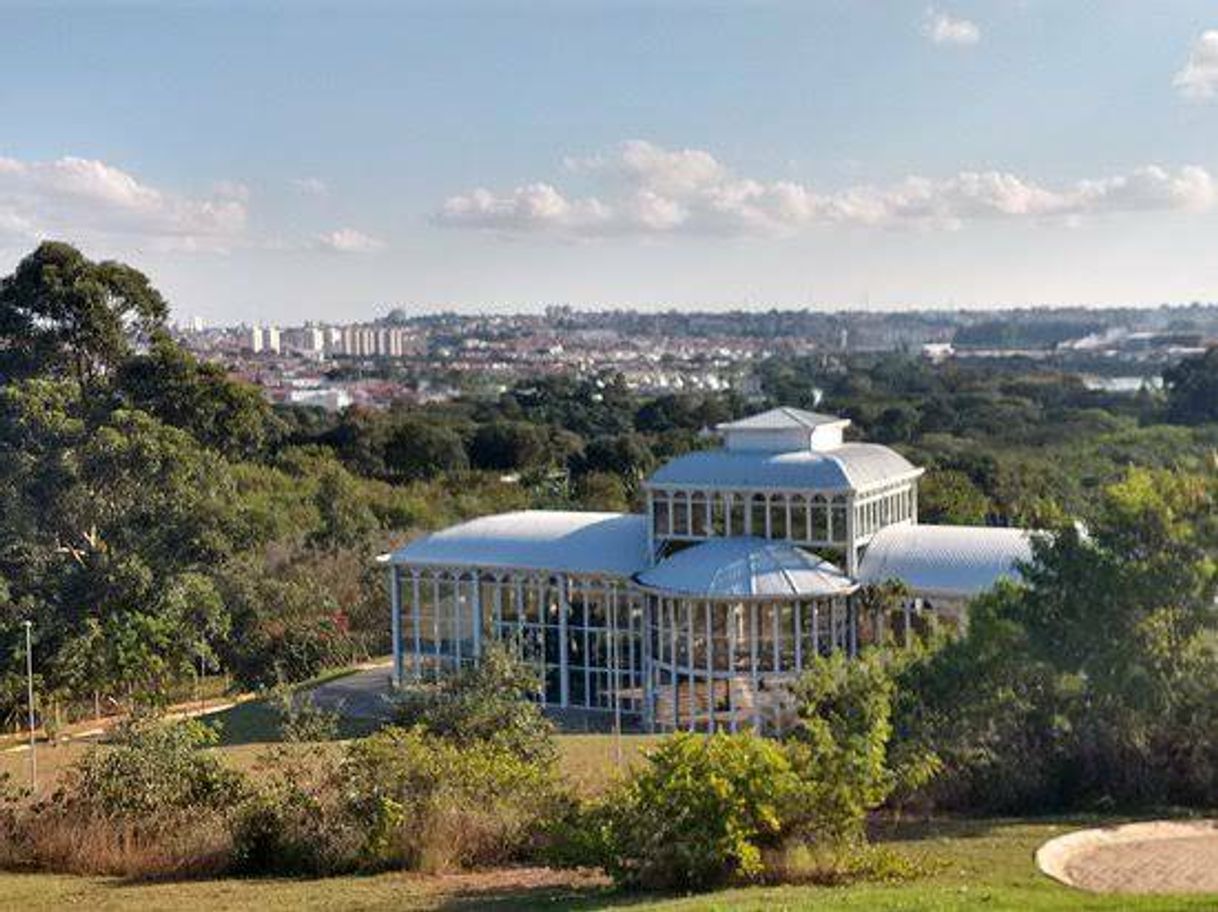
pixel 311 186
pixel 1199 77
pixel 649 191
pixel 348 240
pixel 87 199
pixel 943 28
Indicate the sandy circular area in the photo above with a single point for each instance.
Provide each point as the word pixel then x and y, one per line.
pixel 1167 856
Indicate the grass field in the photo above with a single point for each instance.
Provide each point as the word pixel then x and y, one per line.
pixel 978 865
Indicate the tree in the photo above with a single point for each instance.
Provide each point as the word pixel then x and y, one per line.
pixel 839 747
pixel 896 424
pixel 948 496
pixel 602 491
pixel 220 413
pixel 419 449
pixel 108 533
pixel 1192 388
pixel 61 314
pixel 508 445
pixel 1092 681
pixel 490 701
pixel 625 455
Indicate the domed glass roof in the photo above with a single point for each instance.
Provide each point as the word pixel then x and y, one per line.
pixel 743 568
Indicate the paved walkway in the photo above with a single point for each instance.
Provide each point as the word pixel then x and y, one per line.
pixel 362 695
pixel 1154 857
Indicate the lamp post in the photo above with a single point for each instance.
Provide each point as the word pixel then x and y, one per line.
pixel 29 675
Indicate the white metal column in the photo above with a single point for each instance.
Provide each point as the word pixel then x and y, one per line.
pixel 395 623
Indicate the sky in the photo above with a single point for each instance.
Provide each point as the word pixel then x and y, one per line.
pixel 276 162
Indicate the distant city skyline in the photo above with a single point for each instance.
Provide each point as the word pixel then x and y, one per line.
pixel 275 162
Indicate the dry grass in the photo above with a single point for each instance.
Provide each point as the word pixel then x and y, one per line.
pixel 196 847
pixel 590 762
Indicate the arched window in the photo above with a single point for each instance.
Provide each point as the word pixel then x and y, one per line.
pixel 680 513
pixel 720 507
pixel 800 525
pixel 838 518
pixel 778 517
pixel 698 504
pixel 818 509
pixel 661 509
pixel 757 515
pixel 736 513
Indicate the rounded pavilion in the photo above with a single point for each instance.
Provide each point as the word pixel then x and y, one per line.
pixel 698 613
pixel 732 620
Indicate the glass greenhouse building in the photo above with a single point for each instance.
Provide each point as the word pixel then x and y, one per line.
pixel 698 613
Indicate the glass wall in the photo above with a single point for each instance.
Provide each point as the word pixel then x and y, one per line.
pixel 582 634
pixel 812 519
pixel 723 665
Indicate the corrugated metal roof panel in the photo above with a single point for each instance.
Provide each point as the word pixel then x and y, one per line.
pixel 562 541
pixel 950 561
pixel 780 419
pixel 851 466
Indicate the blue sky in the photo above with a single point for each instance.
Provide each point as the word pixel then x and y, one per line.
pixel 280 161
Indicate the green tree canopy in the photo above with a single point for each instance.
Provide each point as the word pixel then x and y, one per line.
pixel 1192 388
pixel 62 314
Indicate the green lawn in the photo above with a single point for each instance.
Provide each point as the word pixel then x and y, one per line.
pixel 979 865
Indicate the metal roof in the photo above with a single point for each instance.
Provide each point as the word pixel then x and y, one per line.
pixel 781 419
pixel 741 568
pixel 561 541
pixel 947 561
pixel 851 466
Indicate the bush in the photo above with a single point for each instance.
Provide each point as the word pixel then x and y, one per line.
pixel 840 747
pixel 296 823
pixel 300 719
pixel 429 804
pixel 399 799
pixel 490 701
pixel 700 813
pixel 835 865
pixel 147 769
pixel 150 800
pixel 707 810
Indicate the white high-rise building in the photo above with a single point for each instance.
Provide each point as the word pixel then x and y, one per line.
pixel 252 339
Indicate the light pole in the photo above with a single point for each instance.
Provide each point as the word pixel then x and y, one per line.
pixel 29 675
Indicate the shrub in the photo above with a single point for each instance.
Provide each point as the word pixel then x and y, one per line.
pixel 400 798
pixel 150 800
pixel 835 865
pixel 490 701
pixel 300 719
pixel 430 804
pixel 297 821
pixel 147 767
pixel 840 746
pixel 699 813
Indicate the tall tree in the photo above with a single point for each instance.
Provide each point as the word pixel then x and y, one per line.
pixel 1192 388
pixel 63 314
